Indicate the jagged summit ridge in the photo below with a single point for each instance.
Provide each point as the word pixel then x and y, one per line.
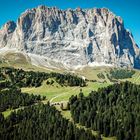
pixel 75 38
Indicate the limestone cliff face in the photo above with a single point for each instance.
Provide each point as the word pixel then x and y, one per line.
pixel 74 38
pixel 6 33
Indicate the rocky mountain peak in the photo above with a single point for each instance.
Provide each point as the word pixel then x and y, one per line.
pixel 74 38
pixel 9 27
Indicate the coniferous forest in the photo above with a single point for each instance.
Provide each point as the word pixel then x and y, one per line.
pixel 13 98
pixel 121 73
pixel 114 111
pixel 40 122
pixel 17 77
pixel 111 111
pixel 30 119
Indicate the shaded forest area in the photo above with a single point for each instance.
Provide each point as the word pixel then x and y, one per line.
pixel 13 98
pixel 40 122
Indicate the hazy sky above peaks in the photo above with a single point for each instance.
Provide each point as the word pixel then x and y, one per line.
pixel 129 10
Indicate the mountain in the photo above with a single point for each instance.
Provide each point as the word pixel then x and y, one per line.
pixel 70 38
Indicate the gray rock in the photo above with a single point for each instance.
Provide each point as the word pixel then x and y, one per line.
pixel 75 38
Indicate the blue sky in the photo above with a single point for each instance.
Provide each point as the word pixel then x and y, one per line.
pixel 129 10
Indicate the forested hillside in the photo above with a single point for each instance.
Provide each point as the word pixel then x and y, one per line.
pixel 40 122
pixel 114 111
pixel 29 118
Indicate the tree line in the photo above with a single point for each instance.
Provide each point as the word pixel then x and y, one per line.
pixel 17 77
pixel 113 111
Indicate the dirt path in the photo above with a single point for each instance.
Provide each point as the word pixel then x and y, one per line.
pixel 138 77
pixel 64 93
pixel 28 90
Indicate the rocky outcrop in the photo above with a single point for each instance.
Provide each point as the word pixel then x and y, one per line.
pixel 6 33
pixel 74 38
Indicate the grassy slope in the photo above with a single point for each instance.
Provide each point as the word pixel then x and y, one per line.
pixel 135 78
pixel 62 93
pixel 18 60
pixel 91 73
